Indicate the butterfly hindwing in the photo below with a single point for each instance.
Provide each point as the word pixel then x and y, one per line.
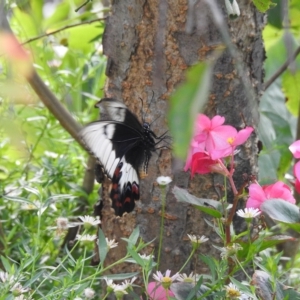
pixel 121 144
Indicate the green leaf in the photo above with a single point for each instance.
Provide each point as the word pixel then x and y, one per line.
pixel 280 210
pixel 209 206
pixel 134 235
pixel 102 246
pixel 5 264
pixel 291 89
pixel 250 250
pixel 136 257
pixel 263 5
pixel 120 276
pixel 186 103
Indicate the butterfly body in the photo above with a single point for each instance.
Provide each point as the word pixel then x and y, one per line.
pixel 122 145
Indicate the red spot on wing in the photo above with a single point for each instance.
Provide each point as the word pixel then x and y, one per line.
pixel 123 197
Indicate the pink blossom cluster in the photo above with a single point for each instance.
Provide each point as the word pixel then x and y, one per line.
pixel 258 194
pixel 212 141
pixel 295 149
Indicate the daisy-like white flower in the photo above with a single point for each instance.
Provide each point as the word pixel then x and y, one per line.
pixel 18 289
pixel 248 213
pixel 128 283
pixel 22 297
pixel 110 285
pixel 193 278
pixel 197 240
pixel 120 291
pixel 232 292
pixel 89 293
pixel 111 243
pixel 89 221
pixel 35 205
pixel 146 257
pixel 5 277
pixel 230 251
pixel 165 280
pixel 86 238
pixel 163 180
pixel 77 298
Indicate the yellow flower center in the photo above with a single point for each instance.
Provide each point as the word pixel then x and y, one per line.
pixel 230 140
pixel 166 282
pixel 233 293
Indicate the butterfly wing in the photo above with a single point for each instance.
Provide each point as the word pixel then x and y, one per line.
pixel 117 145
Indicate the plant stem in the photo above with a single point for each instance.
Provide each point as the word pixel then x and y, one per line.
pixel 163 207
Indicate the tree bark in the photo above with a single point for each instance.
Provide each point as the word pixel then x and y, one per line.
pixel 149 45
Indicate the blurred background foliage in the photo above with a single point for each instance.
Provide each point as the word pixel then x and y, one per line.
pixel 279 106
pixel 40 164
pixel 41 167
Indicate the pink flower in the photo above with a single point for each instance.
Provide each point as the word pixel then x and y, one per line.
pixel 157 292
pixel 237 138
pixel 297 175
pixel 295 149
pixel 215 139
pixel 213 134
pixel 203 164
pixel 258 194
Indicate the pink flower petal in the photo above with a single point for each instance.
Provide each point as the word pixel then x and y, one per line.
pixel 295 149
pixel 157 292
pixel 297 186
pixel 217 121
pixel 242 136
pixel 256 196
pixel 278 190
pixel 297 170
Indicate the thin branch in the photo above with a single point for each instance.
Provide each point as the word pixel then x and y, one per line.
pixel 282 68
pixel 82 5
pixel 62 29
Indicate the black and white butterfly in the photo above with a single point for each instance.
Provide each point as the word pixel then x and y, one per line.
pixel 122 145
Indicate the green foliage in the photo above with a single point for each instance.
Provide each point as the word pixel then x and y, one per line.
pixel 186 102
pixel 263 5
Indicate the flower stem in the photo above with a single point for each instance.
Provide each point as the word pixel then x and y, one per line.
pixel 163 207
pixel 188 259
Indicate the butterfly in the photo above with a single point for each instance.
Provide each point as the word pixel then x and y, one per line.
pixel 122 145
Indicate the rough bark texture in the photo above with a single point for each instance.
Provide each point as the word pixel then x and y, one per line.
pixel 149 45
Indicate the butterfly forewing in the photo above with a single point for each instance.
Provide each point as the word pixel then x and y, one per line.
pixel 121 144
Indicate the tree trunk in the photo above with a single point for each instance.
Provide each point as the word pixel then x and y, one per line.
pixel 149 45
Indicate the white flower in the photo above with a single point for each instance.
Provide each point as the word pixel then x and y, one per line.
pixel 62 223
pixel 86 238
pixel 111 243
pixel 31 206
pixel 77 298
pixel 110 285
pixel 232 292
pixel 128 284
pixel 18 289
pixel 188 278
pixel 196 239
pixel 163 180
pixel 119 290
pixel 165 280
pixel 146 257
pixel 233 9
pixel 5 277
pixel 89 293
pixel 230 251
pixel 89 221
pixel 22 297
pixel 248 213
